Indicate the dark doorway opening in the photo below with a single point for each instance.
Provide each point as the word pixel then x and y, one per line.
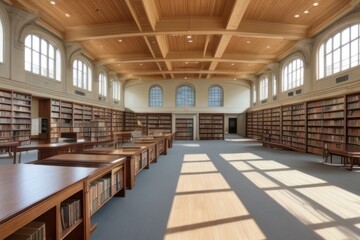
pixel 232 125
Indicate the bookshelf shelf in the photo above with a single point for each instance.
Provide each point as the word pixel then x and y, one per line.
pixel 211 126
pixel 15 117
pixel 184 128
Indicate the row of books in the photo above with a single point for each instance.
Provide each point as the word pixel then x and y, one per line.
pixel 32 231
pixel 100 191
pixel 70 212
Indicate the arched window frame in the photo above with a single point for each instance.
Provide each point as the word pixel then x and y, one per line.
pixel 102 84
pixel 42 57
pixel 116 89
pixel 82 75
pixel 264 87
pixel 185 96
pixel 293 74
pixel 339 51
pixel 215 96
pixel 155 96
pixel 274 85
pixel 254 94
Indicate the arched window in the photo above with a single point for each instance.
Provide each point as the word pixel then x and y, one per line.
pixel 274 86
pixel 185 96
pixel 264 88
pixel 82 75
pixel 216 96
pixel 116 90
pixel 339 52
pixel 155 96
pixel 102 84
pixel 42 57
pixel 1 42
pixel 293 74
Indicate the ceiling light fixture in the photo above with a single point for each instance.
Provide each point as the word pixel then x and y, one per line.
pixel 67 15
pixel 306 11
pixel 248 42
pixel 53 2
pixel 188 36
pixel 315 4
pixel 268 46
pixel 232 64
pixel 120 40
pixel 296 15
pixel 186 62
pixel 190 41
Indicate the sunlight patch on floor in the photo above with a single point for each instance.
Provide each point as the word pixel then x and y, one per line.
pixel 268 165
pixel 239 156
pixel 337 233
pixel 294 178
pixel 260 180
pixel 196 157
pixel 205 207
pixel 299 207
pixel 241 166
pixel 337 200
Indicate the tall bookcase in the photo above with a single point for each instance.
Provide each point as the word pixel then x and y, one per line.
pixel 184 129
pixel 129 121
pixel 117 121
pixel 159 122
pixel 353 119
pixel 249 124
pixel 142 117
pixel 211 126
pixel 15 116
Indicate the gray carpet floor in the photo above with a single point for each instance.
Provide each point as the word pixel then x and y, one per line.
pixel 144 212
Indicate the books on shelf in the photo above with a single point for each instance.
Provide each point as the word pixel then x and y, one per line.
pixel 70 212
pixel 31 231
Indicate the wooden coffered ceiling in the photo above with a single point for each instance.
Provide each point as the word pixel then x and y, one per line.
pixel 200 39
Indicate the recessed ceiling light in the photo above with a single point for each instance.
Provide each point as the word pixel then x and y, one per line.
pixel 190 41
pixel 248 42
pixel 186 62
pixel 232 64
pixel 101 46
pixel 268 46
pixel 120 40
pixel 188 36
pixel 185 77
pixel 53 2
pixel 141 64
pixel 306 11
pixel 315 4
pixel 67 15
pixel 296 15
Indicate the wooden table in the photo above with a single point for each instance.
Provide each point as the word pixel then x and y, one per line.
pixel 163 143
pixel 153 146
pixel 134 160
pixel 351 153
pixel 11 147
pixel 30 192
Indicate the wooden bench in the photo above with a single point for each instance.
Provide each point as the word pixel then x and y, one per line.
pixel 349 154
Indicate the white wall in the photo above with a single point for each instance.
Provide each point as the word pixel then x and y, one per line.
pixel 236 95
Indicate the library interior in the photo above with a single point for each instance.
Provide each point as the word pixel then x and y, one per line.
pixel 179 119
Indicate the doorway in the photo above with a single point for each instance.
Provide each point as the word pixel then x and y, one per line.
pixel 232 125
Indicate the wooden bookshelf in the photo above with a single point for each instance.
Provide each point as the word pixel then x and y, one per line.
pixel 249 124
pixel 43 190
pixel 353 119
pixel 129 121
pixel 142 117
pixel 211 126
pixel 184 129
pixel 117 121
pixel 159 122
pixel 15 117
pixel 98 130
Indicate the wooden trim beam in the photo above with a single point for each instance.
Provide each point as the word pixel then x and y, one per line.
pixel 200 26
pixel 133 13
pixel 237 14
pixel 151 12
pixel 192 71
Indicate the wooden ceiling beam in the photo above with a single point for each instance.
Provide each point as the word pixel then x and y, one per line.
pixel 228 58
pixel 237 13
pixel 194 71
pixel 201 26
pixel 133 14
pixel 154 57
pixel 151 12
